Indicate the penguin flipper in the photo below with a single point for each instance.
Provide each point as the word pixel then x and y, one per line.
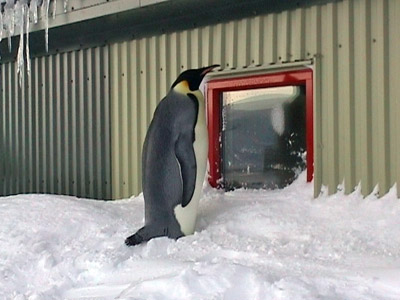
pixel 187 160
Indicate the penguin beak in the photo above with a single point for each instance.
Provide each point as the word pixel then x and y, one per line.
pixel 207 69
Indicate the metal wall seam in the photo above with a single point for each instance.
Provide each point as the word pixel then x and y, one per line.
pixel 256 48
pixel 22 140
pixel 231 41
pixel 284 37
pixel 313 46
pixel 2 128
pixel 379 96
pixel 6 141
pixel 141 89
pixel 81 113
pixel 346 103
pixel 52 158
pixel 134 121
pixel 106 124
pixel 123 115
pixel 298 35
pixel 14 129
pixel 329 97
pixel 115 73
pixel 270 54
pixel 144 86
pixel 35 125
pixel 140 119
pixel 57 71
pixel 15 134
pixel 362 85
pixel 65 121
pixel 244 36
pixel 175 59
pixel 153 74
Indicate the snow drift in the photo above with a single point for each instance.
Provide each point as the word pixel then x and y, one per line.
pixel 280 244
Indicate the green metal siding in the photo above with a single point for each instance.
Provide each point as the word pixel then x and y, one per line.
pixel 355 47
pixel 54 131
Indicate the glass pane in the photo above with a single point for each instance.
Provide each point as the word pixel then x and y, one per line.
pixel 263 137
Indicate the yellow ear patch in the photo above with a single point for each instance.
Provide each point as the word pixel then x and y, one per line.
pixel 182 87
pixel 186 84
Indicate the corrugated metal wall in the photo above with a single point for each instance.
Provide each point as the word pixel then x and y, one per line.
pixel 356 48
pixel 54 132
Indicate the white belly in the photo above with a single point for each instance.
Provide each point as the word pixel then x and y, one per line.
pixel 186 216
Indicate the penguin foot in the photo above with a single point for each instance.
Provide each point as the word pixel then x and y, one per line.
pixel 142 235
pixel 133 240
pixel 147 233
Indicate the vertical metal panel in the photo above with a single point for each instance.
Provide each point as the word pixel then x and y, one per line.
pixel 270 39
pixel 394 91
pixel 2 132
pixel 362 95
pixel 284 37
pixel 298 34
pixel 257 32
pixel 115 112
pixel 329 90
pixel 379 96
pixel 52 127
pixel 346 105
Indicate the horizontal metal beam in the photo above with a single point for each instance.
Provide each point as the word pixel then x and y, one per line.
pixel 91 23
pixel 79 11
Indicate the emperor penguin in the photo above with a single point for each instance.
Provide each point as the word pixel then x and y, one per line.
pixel 174 160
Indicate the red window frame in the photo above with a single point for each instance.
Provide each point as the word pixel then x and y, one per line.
pixel 216 87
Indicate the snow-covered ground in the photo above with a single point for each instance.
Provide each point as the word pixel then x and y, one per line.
pixel 280 244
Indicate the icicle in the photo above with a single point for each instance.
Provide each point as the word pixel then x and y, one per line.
pixel 65 5
pixel 1 26
pixel 45 14
pixel 20 9
pixel 54 8
pixel 9 20
pixel 28 59
pixel 34 11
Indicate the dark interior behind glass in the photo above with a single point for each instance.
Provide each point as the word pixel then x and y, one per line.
pixel 263 137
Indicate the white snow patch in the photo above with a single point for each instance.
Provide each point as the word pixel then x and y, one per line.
pixel 280 244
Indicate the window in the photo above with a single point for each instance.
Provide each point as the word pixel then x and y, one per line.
pixel 260 129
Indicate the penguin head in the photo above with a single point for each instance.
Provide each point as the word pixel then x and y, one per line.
pixel 193 77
